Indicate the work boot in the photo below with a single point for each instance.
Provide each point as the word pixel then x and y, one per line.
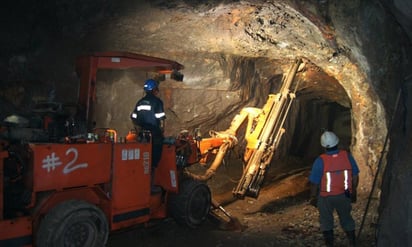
pixel 351 237
pixel 328 236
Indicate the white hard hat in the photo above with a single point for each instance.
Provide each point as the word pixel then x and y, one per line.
pixel 329 139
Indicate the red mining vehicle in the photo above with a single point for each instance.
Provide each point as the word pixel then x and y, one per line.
pixel 68 187
pixel 62 188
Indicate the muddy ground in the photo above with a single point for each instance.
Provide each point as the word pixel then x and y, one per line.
pixel 280 216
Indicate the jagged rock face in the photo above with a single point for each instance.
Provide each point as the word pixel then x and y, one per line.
pixel 235 53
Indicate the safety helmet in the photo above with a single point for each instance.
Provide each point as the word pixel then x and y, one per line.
pixel 329 139
pixel 149 85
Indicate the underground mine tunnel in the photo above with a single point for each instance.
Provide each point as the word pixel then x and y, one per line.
pixel 355 81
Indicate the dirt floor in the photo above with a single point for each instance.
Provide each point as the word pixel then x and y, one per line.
pixel 280 216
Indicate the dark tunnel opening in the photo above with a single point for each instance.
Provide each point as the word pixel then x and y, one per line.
pixel 312 117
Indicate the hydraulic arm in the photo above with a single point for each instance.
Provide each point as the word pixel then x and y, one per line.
pixel 264 131
pixel 264 136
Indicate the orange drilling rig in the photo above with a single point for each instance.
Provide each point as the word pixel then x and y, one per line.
pixel 66 186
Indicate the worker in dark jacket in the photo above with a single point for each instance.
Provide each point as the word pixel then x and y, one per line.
pixel 334 181
pixel 149 115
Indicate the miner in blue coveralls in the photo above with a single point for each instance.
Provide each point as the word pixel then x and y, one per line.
pixel 149 115
pixel 334 181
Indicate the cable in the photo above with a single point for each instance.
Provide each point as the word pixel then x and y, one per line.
pixel 379 164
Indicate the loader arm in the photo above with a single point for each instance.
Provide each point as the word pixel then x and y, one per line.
pixel 264 131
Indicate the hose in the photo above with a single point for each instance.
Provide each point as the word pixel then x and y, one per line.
pixel 216 163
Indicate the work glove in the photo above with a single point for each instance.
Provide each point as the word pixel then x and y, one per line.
pixel 313 201
pixel 354 196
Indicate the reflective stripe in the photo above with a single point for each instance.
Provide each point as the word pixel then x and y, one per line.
pixel 345 181
pixel 159 115
pixel 144 108
pixel 328 181
pixel 134 115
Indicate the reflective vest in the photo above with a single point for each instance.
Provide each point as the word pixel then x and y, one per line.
pixel 337 174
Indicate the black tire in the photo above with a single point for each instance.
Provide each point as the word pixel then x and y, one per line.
pixel 191 206
pixel 73 223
